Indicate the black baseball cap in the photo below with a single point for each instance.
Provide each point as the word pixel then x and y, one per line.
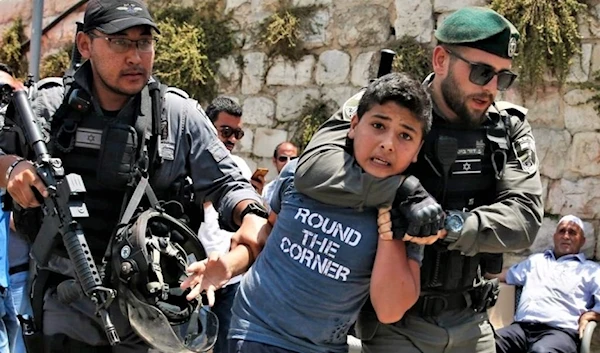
pixel 112 16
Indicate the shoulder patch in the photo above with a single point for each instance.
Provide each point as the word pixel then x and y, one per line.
pixel 524 150
pixel 178 91
pixel 351 105
pixel 49 82
pixel 511 109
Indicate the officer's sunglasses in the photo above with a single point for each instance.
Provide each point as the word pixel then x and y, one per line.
pixel 228 131
pixel 122 45
pixel 481 74
pixel 286 158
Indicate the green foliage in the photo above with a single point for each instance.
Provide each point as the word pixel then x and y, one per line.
pixel 413 58
pixel 314 113
pixel 180 60
pixel 281 32
pixel 11 49
pixel 549 37
pixel 56 64
pixel 191 63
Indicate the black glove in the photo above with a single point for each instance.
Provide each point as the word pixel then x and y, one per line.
pixel 415 212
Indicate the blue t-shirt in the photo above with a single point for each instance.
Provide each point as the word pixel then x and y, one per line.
pixel 307 286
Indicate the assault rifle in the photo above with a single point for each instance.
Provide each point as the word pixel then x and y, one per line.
pixel 61 210
pixel 385 62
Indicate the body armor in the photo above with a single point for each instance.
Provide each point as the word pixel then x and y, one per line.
pixel 459 167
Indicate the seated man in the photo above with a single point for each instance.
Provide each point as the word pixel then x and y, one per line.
pixel 561 294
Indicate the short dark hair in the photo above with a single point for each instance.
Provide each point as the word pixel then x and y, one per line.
pixel 279 145
pixel 222 104
pixel 402 90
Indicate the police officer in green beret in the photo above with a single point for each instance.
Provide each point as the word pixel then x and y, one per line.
pixel 479 162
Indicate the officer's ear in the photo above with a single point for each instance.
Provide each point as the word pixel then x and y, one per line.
pixel 84 44
pixel 440 61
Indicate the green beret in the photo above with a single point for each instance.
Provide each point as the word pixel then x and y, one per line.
pixel 480 28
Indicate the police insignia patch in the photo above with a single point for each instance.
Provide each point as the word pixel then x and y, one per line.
pixel 351 106
pixel 524 149
pixel 512 47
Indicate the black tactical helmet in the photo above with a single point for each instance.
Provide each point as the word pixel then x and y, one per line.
pixel 149 259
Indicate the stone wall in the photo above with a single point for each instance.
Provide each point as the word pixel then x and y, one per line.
pixel 343 56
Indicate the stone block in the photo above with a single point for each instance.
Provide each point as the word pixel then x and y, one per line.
pixel 245 144
pixel 306 3
pixel 255 66
pixel 579 71
pixel 594 20
pixel 363 25
pixel 231 5
pixel 362 69
pixel 333 67
pixel 265 141
pixel 258 111
pixel 315 35
pixel 584 155
pixel 580 197
pixel 10 10
pixel 579 115
pixel 545 109
pixel 551 148
pixel 284 72
pixel 440 6
pixel 291 101
pixel 596 59
pixel 414 19
pixel 229 71
pixel 338 94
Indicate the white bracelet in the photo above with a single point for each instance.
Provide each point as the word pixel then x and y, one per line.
pixel 12 166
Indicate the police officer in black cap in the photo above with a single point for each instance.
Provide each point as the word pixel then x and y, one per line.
pixel 479 162
pixel 102 137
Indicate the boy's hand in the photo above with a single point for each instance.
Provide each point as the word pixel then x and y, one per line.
pixel 207 275
pixel 415 212
pixel 384 223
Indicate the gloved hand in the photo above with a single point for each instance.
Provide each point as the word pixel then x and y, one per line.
pixel 415 212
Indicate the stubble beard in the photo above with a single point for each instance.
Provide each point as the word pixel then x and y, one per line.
pixel 456 100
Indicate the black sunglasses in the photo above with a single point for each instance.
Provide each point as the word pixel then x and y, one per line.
pixel 228 131
pixel 286 158
pixel 481 74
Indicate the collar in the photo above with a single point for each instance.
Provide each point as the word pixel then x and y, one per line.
pixel 580 256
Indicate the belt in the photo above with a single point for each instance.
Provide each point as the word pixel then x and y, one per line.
pixel 434 304
pixel 17 269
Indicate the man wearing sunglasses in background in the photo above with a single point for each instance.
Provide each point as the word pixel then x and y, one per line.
pixel 118 42
pixel 283 153
pixel 479 163
pixel 226 116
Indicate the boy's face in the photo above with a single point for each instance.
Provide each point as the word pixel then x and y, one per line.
pixel 387 139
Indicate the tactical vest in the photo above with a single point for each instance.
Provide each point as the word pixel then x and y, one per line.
pixel 105 152
pixel 459 167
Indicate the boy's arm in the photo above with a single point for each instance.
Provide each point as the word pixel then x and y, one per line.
pixel 327 172
pixel 395 282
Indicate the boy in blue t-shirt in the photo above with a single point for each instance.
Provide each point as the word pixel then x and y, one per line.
pixel 321 262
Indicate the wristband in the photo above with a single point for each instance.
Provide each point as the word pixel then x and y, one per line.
pixel 12 167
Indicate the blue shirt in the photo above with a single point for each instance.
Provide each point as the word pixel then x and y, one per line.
pixel 556 291
pixel 307 286
pixel 4 232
